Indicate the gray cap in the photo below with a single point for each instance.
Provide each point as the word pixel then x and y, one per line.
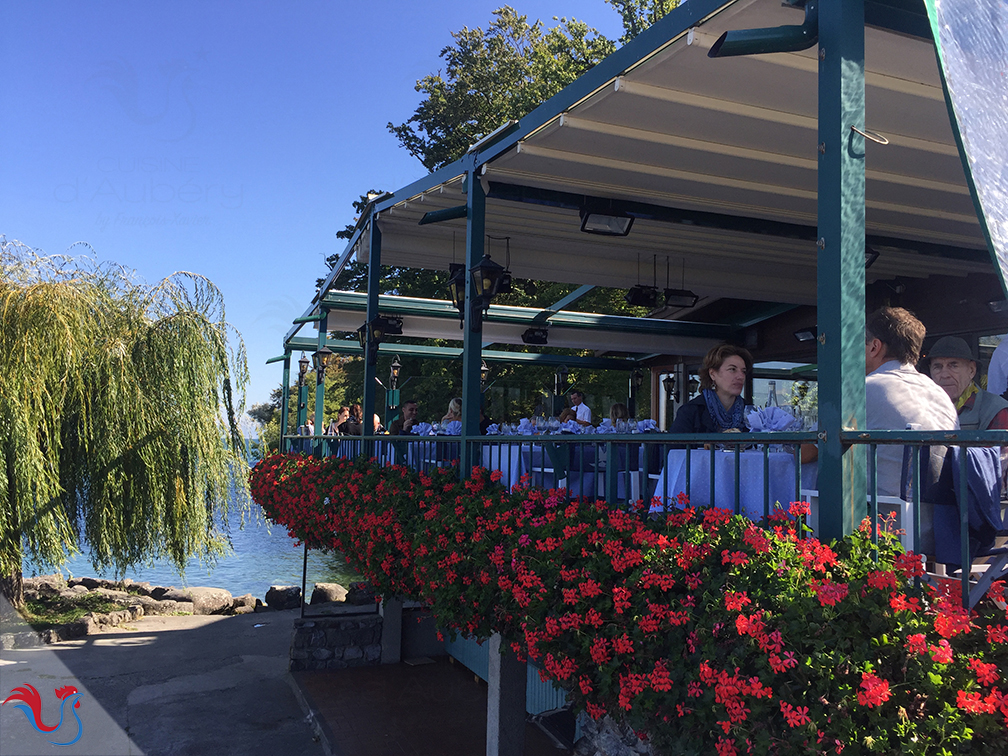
pixel 951 347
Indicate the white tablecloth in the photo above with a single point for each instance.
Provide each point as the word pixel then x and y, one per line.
pixel 782 480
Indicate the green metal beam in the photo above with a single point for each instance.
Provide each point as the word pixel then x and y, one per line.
pixel 563 303
pixel 758 314
pixel 310 318
pixel 278 358
pixel 453 353
pixel 440 216
pixel 403 306
pixel 840 266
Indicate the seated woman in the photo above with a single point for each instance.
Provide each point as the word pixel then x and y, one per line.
pixel 352 426
pixel 618 411
pixel 454 411
pixel 568 414
pixel 719 407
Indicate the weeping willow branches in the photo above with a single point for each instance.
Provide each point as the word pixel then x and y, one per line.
pixel 117 413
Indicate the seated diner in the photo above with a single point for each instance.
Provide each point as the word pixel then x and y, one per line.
pixel 719 408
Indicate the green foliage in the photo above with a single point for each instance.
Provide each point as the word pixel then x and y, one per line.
pixel 493 76
pixel 49 612
pixel 638 15
pixel 118 405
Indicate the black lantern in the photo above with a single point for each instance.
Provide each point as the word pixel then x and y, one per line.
pixel 456 289
pixel 394 371
pixel 302 368
pixel 381 327
pixel 362 336
pixel 321 360
pixel 484 372
pixel 636 379
pixel 486 278
pixel 669 384
pixel 561 380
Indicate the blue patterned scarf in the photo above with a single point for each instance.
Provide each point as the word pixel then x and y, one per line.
pixel 722 419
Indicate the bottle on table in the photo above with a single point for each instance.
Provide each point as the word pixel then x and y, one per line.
pixel 772 394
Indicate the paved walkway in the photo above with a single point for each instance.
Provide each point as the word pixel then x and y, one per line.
pixel 435 709
pixel 165 685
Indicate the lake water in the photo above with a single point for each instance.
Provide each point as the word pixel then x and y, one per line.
pixel 263 555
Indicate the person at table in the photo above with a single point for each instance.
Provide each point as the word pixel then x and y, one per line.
pixel 454 411
pixel 341 417
pixel 582 412
pixel 896 394
pixel 952 366
pixel 618 411
pixel 719 407
pixel 403 425
pixel 353 425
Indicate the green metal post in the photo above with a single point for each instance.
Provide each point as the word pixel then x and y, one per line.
pixel 302 416
pixel 472 345
pixel 841 278
pixel 371 352
pixel 320 386
pixel 285 401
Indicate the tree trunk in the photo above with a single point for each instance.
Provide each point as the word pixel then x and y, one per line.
pixel 11 589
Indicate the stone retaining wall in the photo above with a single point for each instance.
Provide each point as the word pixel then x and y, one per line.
pixel 336 642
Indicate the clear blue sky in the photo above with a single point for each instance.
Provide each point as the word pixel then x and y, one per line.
pixel 227 139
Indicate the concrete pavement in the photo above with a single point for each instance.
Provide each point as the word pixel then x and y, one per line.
pixel 164 685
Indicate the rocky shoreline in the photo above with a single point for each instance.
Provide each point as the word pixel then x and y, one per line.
pixel 139 599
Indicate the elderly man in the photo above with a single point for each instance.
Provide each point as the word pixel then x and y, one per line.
pixel 896 394
pixel 953 367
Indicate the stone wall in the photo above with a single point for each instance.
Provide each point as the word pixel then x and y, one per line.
pixel 336 642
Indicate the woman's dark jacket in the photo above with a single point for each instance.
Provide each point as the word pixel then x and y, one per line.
pixel 693 417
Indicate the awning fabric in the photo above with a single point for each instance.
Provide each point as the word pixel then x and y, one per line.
pixel 731 145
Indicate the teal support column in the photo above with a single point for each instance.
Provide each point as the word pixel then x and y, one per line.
pixel 472 345
pixel 320 385
pixel 841 276
pixel 371 351
pixel 302 414
pixel 285 402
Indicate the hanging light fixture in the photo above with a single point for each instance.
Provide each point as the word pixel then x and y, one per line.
pixel 486 277
pixel 669 384
pixel 681 297
pixel 806 334
pixel 383 326
pixel 535 336
pixel 603 219
pixel 642 296
pixel 484 372
pixel 456 289
pixel 362 336
pixel 321 360
pixel 394 369
pixel 302 368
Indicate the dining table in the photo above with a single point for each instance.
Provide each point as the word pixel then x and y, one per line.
pixel 752 480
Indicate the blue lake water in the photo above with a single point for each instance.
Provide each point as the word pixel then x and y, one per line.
pixel 263 555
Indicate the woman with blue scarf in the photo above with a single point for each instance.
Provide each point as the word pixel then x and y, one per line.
pixel 719 407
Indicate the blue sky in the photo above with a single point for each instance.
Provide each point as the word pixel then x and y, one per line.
pixel 227 139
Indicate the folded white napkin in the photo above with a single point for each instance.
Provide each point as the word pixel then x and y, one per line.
pixel 772 419
pixel 453 428
pixel 421 429
pixel 493 429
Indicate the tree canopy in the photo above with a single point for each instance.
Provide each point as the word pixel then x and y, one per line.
pixel 118 415
pixel 492 76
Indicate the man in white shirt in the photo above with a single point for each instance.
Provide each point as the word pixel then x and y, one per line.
pixel 896 394
pixel 582 409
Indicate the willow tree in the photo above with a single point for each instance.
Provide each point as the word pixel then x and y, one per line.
pixel 118 423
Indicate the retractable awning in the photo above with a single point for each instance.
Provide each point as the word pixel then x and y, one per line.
pixel 716 160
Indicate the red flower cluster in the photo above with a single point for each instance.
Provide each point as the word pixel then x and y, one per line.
pixel 634 617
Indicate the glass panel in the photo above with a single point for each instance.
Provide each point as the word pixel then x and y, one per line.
pixel 972 41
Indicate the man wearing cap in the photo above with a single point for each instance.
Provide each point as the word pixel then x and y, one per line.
pixel 954 368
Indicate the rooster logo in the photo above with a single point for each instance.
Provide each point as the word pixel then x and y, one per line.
pixel 31 705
